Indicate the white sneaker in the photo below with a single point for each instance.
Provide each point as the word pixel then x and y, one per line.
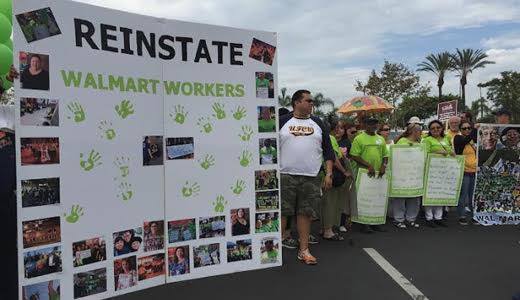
pixel 342 229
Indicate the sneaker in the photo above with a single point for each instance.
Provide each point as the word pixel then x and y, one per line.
pixel 430 223
pixel 307 258
pixel 290 243
pixel 400 225
pixel 463 221
pixel 440 223
pixel 342 229
pixel 313 240
pixel 413 224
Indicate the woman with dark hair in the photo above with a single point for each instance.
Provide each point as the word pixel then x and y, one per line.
pixel 466 144
pixel 436 143
pixel 384 131
pixel 345 143
pixel 407 209
pixel 179 263
pixel 35 77
pixel 241 223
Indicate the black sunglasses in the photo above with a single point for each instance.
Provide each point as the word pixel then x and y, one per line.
pixel 465 128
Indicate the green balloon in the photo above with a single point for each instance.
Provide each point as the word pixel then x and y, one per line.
pixel 6 83
pixel 5 29
pixel 6 9
pixel 6 59
pixel 9 44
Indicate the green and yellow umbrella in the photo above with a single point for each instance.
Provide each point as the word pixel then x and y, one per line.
pixel 365 104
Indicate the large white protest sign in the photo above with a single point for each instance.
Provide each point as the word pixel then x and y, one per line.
pixel 138 151
pixel 372 198
pixel 443 180
pixel 407 171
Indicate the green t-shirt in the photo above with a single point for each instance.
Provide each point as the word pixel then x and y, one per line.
pixel 432 144
pixel 371 148
pixel 405 141
pixel 335 146
pixel 263 83
pixel 268 155
pixel 266 125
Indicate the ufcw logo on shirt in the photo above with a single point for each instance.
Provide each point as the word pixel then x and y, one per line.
pixel 301 130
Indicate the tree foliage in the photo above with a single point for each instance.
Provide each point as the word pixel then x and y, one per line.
pixel 504 92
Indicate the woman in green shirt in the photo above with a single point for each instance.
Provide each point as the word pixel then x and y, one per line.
pixel 407 209
pixel 437 143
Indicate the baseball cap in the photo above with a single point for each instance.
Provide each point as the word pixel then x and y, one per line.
pixel 415 120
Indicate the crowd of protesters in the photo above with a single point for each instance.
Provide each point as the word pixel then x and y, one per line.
pixel 319 161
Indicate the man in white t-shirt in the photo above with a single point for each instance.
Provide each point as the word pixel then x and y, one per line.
pixel 304 145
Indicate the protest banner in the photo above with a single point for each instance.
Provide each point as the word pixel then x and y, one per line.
pixel 138 142
pixel 372 199
pixel 496 200
pixel 447 109
pixel 443 180
pixel 406 176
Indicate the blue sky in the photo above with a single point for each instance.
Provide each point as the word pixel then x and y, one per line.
pixel 325 46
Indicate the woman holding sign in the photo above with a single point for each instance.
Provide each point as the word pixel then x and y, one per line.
pixel 437 143
pixel 407 207
pixel 466 144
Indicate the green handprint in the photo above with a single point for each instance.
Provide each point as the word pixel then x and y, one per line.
pixel 239 187
pixel 247 131
pixel 77 110
pixel 245 159
pixel 122 163
pixel 204 124
pixel 219 204
pixel 190 190
pixel 125 109
pixel 107 131
pixel 178 114
pixel 125 191
pixel 208 161
pixel 91 162
pixel 75 213
pixel 239 113
pixel 219 111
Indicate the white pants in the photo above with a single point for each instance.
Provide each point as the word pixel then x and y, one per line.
pixel 433 212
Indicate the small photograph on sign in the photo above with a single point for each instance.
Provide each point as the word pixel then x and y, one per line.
pixel 181 230
pixel 267 222
pixel 266 180
pixel 268 151
pixel 498 144
pixel 267 200
pixel 151 266
pixel 239 250
pixel 41 232
pixel 152 150
pixel 90 283
pixel 264 85
pixel 34 71
pixel 47 290
pixel 40 192
pixel 269 250
pixel 38 24
pixel 89 251
pixel 266 119
pixel 39 112
pixel 42 262
pixel 212 227
pixel 240 223
pixel 153 235
pixel 178 260
pixel 40 151
pixel 127 241
pixel 262 51
pixel 180 148
pixel 125 273
pixel 206 255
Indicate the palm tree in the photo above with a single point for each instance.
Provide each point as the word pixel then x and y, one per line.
pixel 480 109
pixel 465 61
pixel 437 64
pixel 319 101
pixel 284 100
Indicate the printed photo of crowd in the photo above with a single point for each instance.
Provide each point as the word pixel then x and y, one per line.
pixel 266 180
pixel 47 290
pixel 41 232
pixel 39 112
pixel 262 51
pixel 498 177
pixel 90 283
pixel 151 266
pixel 206 255
pixel 212 227
pixel 127 241
pixel 89 251
pixel 239 250
pixel 267 200
pixel 38 24
pixel 39 151
pixel 181 230
pixel 39 192
pixel 42 262
pixel 267 222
